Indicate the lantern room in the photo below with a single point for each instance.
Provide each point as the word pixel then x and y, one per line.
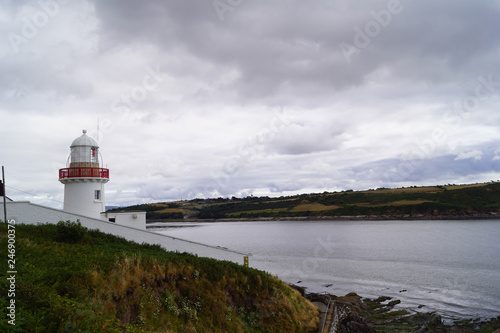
pixel 84 152
pixel 84 160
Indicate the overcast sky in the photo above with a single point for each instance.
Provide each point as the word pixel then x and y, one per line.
pixel 203 98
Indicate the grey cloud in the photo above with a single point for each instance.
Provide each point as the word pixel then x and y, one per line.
pixel 292 49
pixel 393 171
pixel 350 121
pixel 449 37
pixel 307 138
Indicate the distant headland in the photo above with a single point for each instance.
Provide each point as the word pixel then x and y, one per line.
pixel 469 201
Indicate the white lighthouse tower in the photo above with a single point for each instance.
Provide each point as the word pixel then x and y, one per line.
pixel 84 179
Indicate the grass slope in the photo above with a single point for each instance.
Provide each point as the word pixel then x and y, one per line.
pixel 71 279
pixel 452 200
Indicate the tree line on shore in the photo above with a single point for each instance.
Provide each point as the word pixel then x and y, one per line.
pixel 443 200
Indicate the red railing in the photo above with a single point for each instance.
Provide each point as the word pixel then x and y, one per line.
pixel 83 172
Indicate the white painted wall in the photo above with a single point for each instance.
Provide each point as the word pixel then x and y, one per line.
pixel 129 219
pixel 79 197
pixel 28 213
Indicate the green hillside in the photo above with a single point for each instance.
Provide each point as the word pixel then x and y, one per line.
pixel 71 279
pixel 454 201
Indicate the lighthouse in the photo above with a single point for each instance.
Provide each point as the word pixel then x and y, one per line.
pixel 84 179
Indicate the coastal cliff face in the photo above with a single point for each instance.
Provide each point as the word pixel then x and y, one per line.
pixel 347 320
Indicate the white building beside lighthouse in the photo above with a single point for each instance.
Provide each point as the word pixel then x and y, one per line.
pixel 84 179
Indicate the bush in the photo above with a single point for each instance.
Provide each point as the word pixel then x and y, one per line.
pixel 70 232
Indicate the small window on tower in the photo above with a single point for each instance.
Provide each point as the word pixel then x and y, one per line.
pixel 97 194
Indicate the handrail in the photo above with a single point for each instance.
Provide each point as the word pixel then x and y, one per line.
pixel 325 317
pixel 83 173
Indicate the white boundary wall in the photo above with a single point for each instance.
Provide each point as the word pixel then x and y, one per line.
pixel 25 212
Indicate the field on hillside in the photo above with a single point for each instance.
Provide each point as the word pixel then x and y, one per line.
pixel 470 200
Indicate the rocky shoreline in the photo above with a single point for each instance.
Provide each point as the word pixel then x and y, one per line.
pixel 353 314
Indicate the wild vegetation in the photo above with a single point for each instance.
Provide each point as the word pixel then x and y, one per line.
pixel 71 279
pixel 414 202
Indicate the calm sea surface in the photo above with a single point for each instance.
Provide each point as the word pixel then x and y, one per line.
pixel 452 267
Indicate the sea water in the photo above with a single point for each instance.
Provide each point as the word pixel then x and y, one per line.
pixel 451 267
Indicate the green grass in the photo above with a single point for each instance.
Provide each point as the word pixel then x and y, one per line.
pixel 71 279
